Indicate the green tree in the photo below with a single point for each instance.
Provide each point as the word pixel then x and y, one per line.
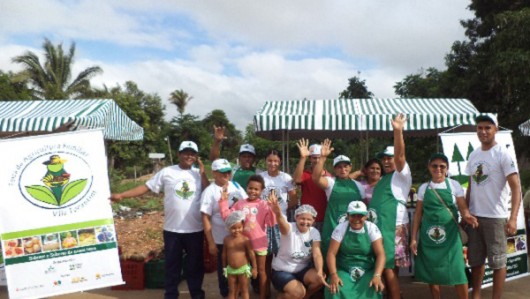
pixel 52 79
pixel 356 89
pixel 180 98
pixel 12 90
pixel 230 147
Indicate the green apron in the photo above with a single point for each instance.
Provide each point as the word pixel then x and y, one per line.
pixel 382 211
pixel 355 267
pixel 440 259
pixel 344 191
pixel 241 176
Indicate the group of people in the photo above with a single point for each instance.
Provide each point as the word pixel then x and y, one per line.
pixel 351 231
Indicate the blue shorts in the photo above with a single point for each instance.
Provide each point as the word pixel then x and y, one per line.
pixel 280 279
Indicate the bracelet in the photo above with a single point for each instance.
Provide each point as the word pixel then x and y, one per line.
pixel 377 275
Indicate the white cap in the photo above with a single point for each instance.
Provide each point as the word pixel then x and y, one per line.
pixel 340 159
pixel 234 217
pixel 221 165
pixel 314 150
pixel 188 145
pixel 388 151
pixel 357 208
pixel 247 148
pixel 487 117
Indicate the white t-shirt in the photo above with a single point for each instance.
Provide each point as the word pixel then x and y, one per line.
pixel 182 198
pixel 401 183
pixel 373 232
pixel 488 171
pixel 456 189
pixel 282 183
pixel 331 183
pixel 210 206
pixel 295 252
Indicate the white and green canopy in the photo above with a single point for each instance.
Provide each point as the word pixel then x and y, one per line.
pixel 348 118
pixel 18 118
pixel 525 128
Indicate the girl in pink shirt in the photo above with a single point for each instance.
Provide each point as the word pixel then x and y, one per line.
pixel 258 216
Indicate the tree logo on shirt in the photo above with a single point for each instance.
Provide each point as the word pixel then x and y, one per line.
pixel 356 273
pixel 437 234
pixel 184 189
pixel 372 216
pixel 478 175
pixel 341 218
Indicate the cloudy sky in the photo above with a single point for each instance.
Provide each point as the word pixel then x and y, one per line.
pixel 235 55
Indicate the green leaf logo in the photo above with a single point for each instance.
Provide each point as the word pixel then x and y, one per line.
pixel 72 189
pixel 42 193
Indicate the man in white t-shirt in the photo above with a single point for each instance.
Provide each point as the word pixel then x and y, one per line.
pixel 214 226
pixel 182 185
pixel 489 168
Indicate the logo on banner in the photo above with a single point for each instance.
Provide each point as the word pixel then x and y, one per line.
pixel 55 180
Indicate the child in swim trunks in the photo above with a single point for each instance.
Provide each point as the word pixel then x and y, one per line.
pixel 237 253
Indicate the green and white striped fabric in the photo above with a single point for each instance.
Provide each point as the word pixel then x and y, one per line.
pixel 49 116
pixel 525 128
pixel 344 117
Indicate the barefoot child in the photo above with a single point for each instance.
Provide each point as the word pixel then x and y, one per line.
pixel 237 254
pixel 258 215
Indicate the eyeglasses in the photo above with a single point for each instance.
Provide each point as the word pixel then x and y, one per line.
pixel 441 166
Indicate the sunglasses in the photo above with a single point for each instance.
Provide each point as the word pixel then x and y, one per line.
pixel 441 166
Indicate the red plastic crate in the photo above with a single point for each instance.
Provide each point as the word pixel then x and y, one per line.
pixel 133 274
pixel 210 261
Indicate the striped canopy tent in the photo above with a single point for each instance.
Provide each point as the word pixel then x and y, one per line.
pixel 354 118
pixel 525 128
pixel 22 118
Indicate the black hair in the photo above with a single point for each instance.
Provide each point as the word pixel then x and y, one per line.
pixel 274 153
pixel 257 178
pixel 376 161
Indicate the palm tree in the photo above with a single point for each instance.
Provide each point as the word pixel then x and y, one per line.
pixel 51 80
pixel 180 98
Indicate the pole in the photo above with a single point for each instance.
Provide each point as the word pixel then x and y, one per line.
pixel 169 149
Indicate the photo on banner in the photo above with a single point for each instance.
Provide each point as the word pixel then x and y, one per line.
pixel 457 147
pixel 57 219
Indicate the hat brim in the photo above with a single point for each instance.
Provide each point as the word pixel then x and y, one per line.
pixel 247 152
pixel 188 149
pixel 347 162
pixel 439 156
pixel 484 118
pixel 357 213
pixel 224 170
pixel 380 155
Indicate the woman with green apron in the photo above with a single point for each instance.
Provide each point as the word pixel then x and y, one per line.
pixel 439 256
pixel 355 257
pixel 340 191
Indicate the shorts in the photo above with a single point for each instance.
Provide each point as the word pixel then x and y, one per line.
pixel 280 278
pixel 245 270
pixel 402 250
pixel 261 252
pixel 488 240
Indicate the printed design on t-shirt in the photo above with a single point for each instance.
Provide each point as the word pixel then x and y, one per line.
pixel 480 173
pixel 372 216
pixel 267 192
pixel 437 234
pixel 250 222
pixel 185 189
pixel 356 273
pixel 341 218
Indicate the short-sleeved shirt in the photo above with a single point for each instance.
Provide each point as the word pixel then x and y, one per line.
pixel 488 170
pixel 210 206
pixel 313 195
pixel 282 184
pixel 401 183
pixel 296 250
pixel 456 189
pixel 182 198
pixel 373 232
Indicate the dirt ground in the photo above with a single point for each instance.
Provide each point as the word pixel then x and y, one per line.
pixel 140 237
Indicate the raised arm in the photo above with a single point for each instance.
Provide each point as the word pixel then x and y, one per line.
pixel 223 203
pixel 302 145
pixel 398 123
pixel 275 207
pixel 204 179
pixel 218 137
pixel 317 176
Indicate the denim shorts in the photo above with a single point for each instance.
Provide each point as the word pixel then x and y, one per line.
pixel 488 240
pixel 280 278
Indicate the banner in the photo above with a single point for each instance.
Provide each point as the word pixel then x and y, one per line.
pixel 56 222
pixel 457 147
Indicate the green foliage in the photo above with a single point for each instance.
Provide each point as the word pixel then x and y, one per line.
pixel 356 89
pixel 11 90
pixel 42 193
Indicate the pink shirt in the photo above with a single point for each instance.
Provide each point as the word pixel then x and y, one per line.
pixel 258 216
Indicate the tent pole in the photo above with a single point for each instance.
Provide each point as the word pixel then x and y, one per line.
pixel 283 150
pixel 287 154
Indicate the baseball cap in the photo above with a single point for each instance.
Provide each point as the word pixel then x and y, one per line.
pixel 341 158
pixel 439 156
pixel 357 208
pixel 388 151
pixel 487 117
pixel 247 148
pixel 314 150
pixel 221 165
pixel 188 145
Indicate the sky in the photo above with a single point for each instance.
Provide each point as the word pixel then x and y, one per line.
pixel 236 55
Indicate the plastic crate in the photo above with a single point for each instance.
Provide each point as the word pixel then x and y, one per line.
pixel 133 275
pixel 154 274
pixel 210 261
